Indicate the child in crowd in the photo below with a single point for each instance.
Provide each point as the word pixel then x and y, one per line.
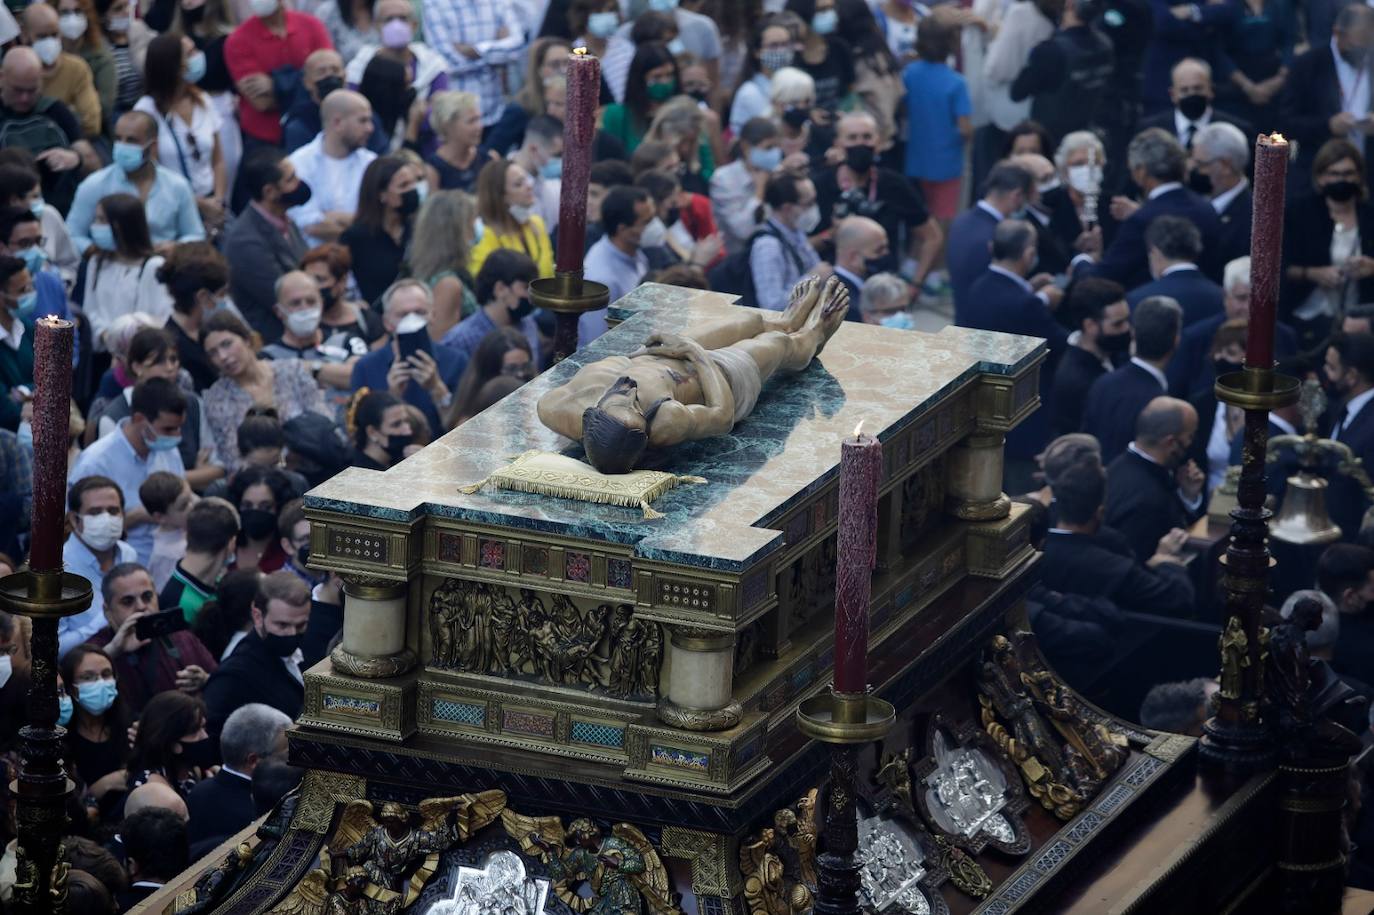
pixel 168 499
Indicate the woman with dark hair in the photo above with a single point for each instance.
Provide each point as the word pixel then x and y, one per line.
pixel 654 78
pixel 380 426
pixel 196 277
pixel 349 23
pixel 96 719
pixel 121 268
pixel 258 493
pixel 504 351
pixel 187 123
pixel 172 747
pixel 824 57
pixel 79 25
pixel 771 48
pixel 1029 137
pixel 505 204
pixel 380 233
pixel 386 84
pixel 246 381
pixel 223 622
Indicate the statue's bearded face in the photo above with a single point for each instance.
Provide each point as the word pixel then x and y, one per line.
pixel 621 401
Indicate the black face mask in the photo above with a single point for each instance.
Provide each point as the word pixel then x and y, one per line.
pixel 860 158
pixel 796 118
pixel 1193 107
pixel 874 265
pixel 1114 343
pixel 302 557
pixel 326 297
pixel 1341 191
pixel 191 17
pixel 674 214
pixel 522 309
pixel 327 85
pixel 281 646
pixel 198 753
pixel 700 95
pixel 1226 366
pixel 1200 183
pixel 299 197
pixel 396 446
pixel 410 202
pixel 257 523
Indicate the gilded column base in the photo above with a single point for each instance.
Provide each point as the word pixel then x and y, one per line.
pixel 982 510
pixel 383 668
pixel 695 719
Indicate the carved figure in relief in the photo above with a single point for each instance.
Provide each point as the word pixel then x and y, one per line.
pixel 1101 748
pixel 779 862
pixel 1235 657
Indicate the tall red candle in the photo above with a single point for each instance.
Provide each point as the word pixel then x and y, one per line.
pixel 579 126
pixel 52 383
pixel 1266 248
pixel 861 466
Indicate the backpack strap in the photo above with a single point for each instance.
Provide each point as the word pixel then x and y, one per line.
pixel 791 252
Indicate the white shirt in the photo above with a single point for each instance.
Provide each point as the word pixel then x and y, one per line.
pixel 1218 449
pixel 78 559
pixel 1353 406
pixel 113 457
pixel 1354 92
pixel 1158 375
pixel 1164 189
pixel 990 210
pixel 233 643
pixel 15 335
pixel 1181 124
pixel 1178 268
pixel 293 665
pixel 232 771
pixel 187 149
pixel 751 101
pixel 1223 200
pixel 1345 244
pixel 333 183
pixel 115 289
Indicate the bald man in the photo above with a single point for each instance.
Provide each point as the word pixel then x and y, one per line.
pixel 323 73
pixel 332 165
pixel 860 246
pixel 861 187
pixel 1191 91
pixel 66 77
pixel 58 147
pixel 300 307
pixel 1053 253
pixel 1153 487
pixel 155 794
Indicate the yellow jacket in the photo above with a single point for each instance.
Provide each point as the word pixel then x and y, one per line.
pixel 532 240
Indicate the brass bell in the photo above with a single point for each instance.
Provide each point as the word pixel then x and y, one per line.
pixel 1302 519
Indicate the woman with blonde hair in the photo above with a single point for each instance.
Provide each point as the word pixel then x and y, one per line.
pixel 457 121
pixel 548 59
pixel 681 123
pixel 505 204
pixel 445 232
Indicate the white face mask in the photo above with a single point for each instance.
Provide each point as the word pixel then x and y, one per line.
pixel 48 49
pixel 809 219
pixel 99 532
pixel 71 25
pixel 303 323
pixel 119 24
pixel 1086 179
pixel 6 668
pixel 654 234
pixel 263 8
pixel 521 213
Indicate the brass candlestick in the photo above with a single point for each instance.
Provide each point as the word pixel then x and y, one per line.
pixel 845 721
pixel 42 787
pixel 569 297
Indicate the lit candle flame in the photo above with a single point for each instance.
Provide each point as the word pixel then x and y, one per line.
pixel 859 429
pixel 1277 137
pixel 580 51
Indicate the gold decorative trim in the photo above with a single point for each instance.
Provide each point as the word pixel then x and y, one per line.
pixel 700 639
pixel 382 668
pixel 710 856
pixel 370 587
pixel 991 510
pixel 691 719
pixel 321 790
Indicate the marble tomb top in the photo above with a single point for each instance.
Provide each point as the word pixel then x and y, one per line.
pixel 771 462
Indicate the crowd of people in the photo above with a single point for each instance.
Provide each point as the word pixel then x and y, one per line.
pixel 299 235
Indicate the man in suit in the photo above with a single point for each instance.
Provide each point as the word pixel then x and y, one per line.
pixel 1192 369
pixel 1006 190
pixel 1220 159
pixel 1349 371
pixel 154 840
pixel 266 665
pixel 1153 488
pixel 223 804
pixel 1192 94
pixel 1345 573
pixel 1316 107
pixel 1084 557
pixel 1117 398
pixel 1055 253
pixel 1199 33
pixel 860 247
pixel 1003 299
pixel 262 243
pixel 1156 162
pixel 1174 246
pixel 1096 309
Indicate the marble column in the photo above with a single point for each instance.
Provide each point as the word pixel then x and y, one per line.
pixel 374 629
pixel 974 477
pixel 700 681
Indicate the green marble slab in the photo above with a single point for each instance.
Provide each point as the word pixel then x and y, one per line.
pixel 787 449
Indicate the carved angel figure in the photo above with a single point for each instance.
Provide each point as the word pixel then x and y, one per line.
pixel 779 862
pixel 625 874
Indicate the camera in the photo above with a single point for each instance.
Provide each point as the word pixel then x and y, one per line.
pixel 855 202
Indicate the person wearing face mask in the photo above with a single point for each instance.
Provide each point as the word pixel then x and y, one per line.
pixel 78 24
pixel 332 165
pixel 506 207
pixel 346 324
pixel 168 203
pixel 541 156
pixel 1349 376
pixel 196 276
pixel 89 707
pixel 616 259
pixel 14 683
pixel 265 667
pixel 771 49
pixel 259 493
pixel 17 301
pixel 66 77
pixel 1174 246
pixel 1219 426
pixel 96 515
pixel 1116 399
pixel 146 442
pixel 737 188
pixel 223 804
pixel 652 80
pixel 21 186
pixel 388 200
pixel 860 250
pixel 323 74
pixel 684 230
pixel 1152 487
pixel 1100 339
pixel 886 301
pixel 300 308
pixel 780 253
pixel 271 44
pixel 21 236
pixel 294 530
pixel 824 56
pixel 1329 243
pixel 146 667
pixel 170 751
pixel 122 271
pixel 382 431
pixel 1080 161
pixel 1327 94
pixel 699 35
pixel 263 243
pixel 1345 573
pixel 1219 160
pixel 1192 94
pixel 503 287
pixel 397 28
pixel 212 530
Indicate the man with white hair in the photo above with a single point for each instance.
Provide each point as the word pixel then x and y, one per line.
pixel 884 301
pixel 223 804
pixel 1218 162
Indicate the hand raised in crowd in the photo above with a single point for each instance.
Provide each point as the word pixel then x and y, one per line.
pixel 425 372
pixel 1053 296
pixel 1326 277
pixel 192 678
pixel 1341 123
pixel 1089 242
pixel 58 159
pixel 125 639
pixel 398 377
pixel 1123 208
pixel 1170 548
pixel 1190 480
pixel 798 163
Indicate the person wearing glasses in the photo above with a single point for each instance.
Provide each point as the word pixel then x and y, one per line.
pixel 21 236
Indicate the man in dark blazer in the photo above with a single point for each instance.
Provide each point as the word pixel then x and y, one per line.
pixel 1157 163
pixel 1220 159
pixel 262 243
pixel 1152 488
pixel 1175 246
pixel 1084 557
pixel 968 252
pixel 1350 371
pixel 1002 299
pixel 1313 105
pixel 1174 39
pixel 223 804
pixel 154 840
pixel 1192 94
pixel 860 246
pixel 1117 398
pixel 1096 309
pixel 265 667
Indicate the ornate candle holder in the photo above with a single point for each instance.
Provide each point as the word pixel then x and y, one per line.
pixel 1236 739
pixel 845 721
pixel 569 297
pixel 42 787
